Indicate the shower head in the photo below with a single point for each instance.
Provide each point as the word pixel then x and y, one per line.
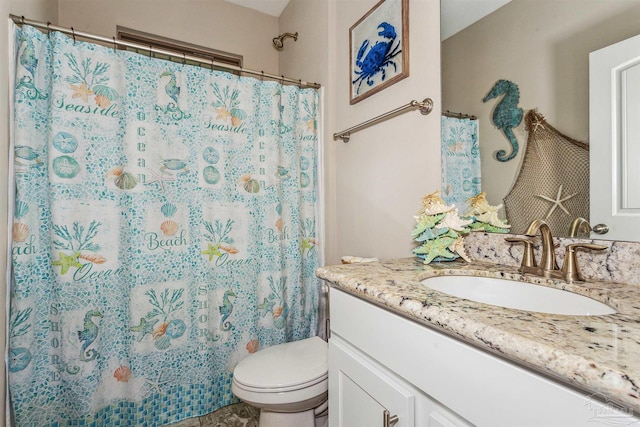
pixel 278 42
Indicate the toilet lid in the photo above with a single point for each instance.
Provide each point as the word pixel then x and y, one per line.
pixel 286 365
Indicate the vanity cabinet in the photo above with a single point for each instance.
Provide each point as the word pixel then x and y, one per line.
pixel 369 392
pixel 369 395
pixel 380 361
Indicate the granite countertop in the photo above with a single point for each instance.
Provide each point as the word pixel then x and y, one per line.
pixel 598 354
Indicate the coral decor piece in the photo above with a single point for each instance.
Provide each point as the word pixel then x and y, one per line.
pixel 439 231
pixel 485 216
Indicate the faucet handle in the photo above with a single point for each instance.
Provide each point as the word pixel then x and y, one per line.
pixel 570 270
pixel 528 260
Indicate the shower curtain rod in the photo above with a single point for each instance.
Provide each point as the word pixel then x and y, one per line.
pixel 459 115
pixel 20 20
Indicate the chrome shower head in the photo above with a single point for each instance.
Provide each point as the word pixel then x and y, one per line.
pixel 278 42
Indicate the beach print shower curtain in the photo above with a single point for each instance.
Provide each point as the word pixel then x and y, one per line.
pixel 461 177
pixel 164 229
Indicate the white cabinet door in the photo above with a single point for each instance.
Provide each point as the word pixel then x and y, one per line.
pixel 614 133
pixel 360 392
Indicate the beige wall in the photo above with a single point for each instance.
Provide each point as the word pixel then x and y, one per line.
pixel 312 58
pixel 43 10
pixel 543 46
pixel 383 172
pixel 212 23
pixel 372 185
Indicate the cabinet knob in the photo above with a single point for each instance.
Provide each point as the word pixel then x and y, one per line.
pixel 389 420
pixel 601 228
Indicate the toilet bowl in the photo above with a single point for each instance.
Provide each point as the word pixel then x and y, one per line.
pixel 288 382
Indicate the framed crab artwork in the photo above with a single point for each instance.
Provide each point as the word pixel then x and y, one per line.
pixel 379 49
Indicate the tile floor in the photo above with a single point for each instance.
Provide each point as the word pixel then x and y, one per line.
pixel 237 415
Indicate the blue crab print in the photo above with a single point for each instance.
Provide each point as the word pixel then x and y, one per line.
pixel 174 165
pixel 378 57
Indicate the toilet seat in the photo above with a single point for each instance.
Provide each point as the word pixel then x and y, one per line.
pixel 302 399
pixel 287 377
pixel 285 367
pixel 294 387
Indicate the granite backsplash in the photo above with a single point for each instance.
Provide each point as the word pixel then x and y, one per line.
pixel 620 263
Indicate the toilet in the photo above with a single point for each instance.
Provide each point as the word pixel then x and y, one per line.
pixel 288 382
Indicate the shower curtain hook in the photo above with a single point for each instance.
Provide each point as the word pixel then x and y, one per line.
pixel 282 80
pixel 262 75
pixel 300 83
pixel 22 23
pixel 48 29
pixel 184 58
pixel 150 51
pixel 114 44
pixel 73 32
pixel 211 64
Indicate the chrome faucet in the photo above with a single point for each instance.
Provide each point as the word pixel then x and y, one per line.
pixel 548 266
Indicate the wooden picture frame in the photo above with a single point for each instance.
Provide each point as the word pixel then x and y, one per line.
pixel 379 49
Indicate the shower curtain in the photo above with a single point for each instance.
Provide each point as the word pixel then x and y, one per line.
pixel 461 177
pixel 164 229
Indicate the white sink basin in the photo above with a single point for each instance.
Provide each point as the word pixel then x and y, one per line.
pixel 518 295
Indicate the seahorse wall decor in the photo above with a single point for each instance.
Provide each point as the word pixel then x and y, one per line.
pixel 506 115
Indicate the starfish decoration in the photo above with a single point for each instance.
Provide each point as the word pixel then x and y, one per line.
pixel 537 122
pixel 557 202
pixel 436 248
pixel 222 114
pixel 425 222
pixel 311 125
pixel 155 385
pixel 453 221
pixel 81 91
pixel 67 261
pixel 145 328
pixel 458 247
pixel 307 243
pixel 161 179
pixel 212 251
